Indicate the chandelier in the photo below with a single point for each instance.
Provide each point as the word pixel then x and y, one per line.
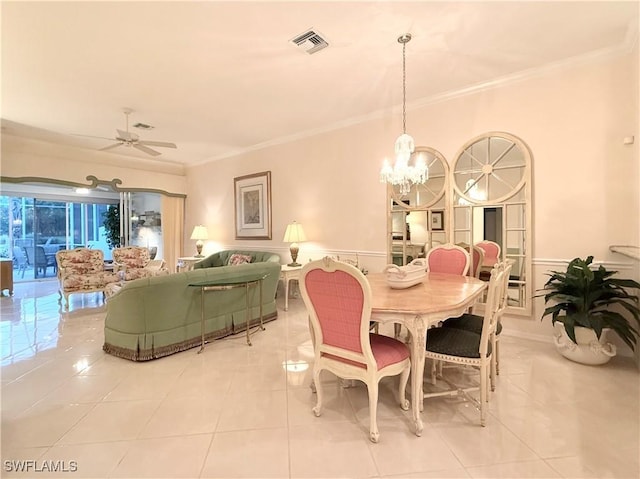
pixel 402 174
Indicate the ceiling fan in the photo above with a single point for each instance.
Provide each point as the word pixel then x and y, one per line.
pixel 129 139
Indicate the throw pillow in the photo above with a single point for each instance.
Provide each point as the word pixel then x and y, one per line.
pixel 236 259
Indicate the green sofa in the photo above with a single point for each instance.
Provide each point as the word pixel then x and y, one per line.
pixel 221 258
pixel 154 317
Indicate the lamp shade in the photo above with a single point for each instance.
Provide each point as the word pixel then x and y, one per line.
pixel 200 233
pixel 294 233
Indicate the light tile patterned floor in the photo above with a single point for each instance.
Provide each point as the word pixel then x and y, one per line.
pixel 239 411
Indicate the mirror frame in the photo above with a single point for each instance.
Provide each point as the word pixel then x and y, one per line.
pixel 522 188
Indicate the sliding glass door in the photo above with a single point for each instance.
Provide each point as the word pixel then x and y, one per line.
pixel 33 229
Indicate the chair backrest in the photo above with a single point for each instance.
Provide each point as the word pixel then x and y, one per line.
pixel 20 256
pixel 338 299
pixel 41 257
pixel 492 309
pixel 505 266
pixel 131 256
pixel 477 258
pixel 79 261
pixel 491 250
pixel 448 258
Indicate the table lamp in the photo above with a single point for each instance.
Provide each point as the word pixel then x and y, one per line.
pixel 199 233
pixel 294 235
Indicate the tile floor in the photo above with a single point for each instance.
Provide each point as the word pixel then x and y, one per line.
pixel 239 411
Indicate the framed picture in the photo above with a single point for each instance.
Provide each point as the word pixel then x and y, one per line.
pixel 253 206
pixel 437 220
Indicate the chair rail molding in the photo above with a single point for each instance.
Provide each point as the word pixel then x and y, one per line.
pixel 562 263
pixel 626 250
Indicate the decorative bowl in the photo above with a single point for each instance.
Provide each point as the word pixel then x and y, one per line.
pixel 402 277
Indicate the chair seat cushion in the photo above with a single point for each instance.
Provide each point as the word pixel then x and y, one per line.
pixel 469 322
pixel 454 342
pixel 385 349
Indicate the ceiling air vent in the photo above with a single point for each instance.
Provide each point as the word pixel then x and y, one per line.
pixel 143 126
pixel 310 42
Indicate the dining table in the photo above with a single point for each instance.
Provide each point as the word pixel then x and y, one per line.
pixel 437 297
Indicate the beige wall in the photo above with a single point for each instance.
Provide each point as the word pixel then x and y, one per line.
pixel 23 157
pixel 574 119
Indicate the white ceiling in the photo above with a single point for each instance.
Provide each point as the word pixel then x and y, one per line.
pixel 217 78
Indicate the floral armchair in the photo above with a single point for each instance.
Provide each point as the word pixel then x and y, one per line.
pixel 81 270
pixel 135 262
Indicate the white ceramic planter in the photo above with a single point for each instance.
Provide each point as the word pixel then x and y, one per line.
pixel 589 349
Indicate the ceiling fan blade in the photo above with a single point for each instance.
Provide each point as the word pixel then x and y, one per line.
pixel 115 145
pixel 126 135
pixel 92 136
pixel 165 144
pixel 148 151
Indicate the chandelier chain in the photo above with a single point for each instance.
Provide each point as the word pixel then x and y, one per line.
pixel 404 88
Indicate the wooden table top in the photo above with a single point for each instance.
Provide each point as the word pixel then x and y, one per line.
pixel 438 292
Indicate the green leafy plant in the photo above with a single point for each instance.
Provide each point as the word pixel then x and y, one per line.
pixel 111 225
pixel 583 296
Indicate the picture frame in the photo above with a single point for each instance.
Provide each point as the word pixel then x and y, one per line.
pixel 437 220
pixel 252 207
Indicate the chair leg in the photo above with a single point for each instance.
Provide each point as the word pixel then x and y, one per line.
pixel 497 355
pixel 374 434
pixel 396 330
pixel 484 370
pixel 404 379
pixel 317 410
pixel 494 370
pixel 433 372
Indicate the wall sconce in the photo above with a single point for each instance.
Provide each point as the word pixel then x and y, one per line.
pixel 294 235
pixel 199 233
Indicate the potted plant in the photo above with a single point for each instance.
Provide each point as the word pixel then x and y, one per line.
pixel 111 225
pixel 587 303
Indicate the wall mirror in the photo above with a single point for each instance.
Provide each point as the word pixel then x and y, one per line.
pixel 491 200
pixel 485 196
pixel 418 220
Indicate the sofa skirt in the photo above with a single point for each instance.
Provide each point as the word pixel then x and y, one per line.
pixel 157 344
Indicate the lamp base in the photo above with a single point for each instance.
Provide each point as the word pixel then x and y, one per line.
pixel 294 255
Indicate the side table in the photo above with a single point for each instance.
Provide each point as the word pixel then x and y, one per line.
pixel 242 281
pixel 6 275
pixel 186 263
pixel 287 273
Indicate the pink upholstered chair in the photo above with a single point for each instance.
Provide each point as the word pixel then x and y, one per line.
pixel 491 252
pixel 477 258
pixel 338 299
pixel 448 258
